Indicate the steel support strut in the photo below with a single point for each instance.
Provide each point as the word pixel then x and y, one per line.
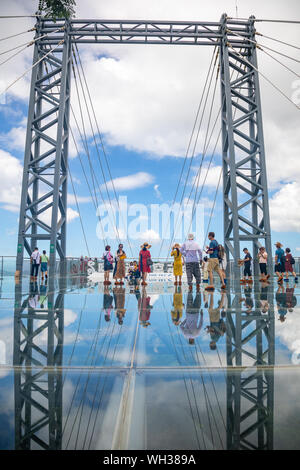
pixel 43 210
pixel 245 191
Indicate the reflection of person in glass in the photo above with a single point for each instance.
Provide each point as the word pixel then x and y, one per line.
pixel 217 327
pixel 107 303
pixel 264 298
pixel 248 301
pixel 192 324
pixel 34 297
pixel 119 298
pixel 43 294
pixel 176 312
pixel 144 308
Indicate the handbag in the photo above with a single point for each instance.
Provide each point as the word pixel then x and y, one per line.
pixel 149 262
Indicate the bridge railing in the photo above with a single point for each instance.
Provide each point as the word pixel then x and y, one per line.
pixel 75 265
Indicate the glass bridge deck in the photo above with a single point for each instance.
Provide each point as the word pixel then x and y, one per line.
pixel 83 367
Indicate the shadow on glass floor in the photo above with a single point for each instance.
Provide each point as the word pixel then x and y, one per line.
pixel 142 370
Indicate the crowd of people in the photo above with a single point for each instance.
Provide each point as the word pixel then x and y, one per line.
pixel 211 260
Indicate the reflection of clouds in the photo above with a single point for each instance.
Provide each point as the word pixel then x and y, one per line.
pixel 6 337
pixel 289 331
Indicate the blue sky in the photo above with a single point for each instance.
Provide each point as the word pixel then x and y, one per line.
pixel 146 100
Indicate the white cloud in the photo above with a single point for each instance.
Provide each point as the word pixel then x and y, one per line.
pixel 71 214
pixel 157 191
pixel 150 236
pixel 284 208
pixel 125 183
pixel 10 181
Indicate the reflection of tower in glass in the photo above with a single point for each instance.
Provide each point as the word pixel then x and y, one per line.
pixel 38 347
pixel 250 379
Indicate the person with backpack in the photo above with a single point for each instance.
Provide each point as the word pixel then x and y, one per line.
pixel 108 264
pixel 279 261
pixel 213 262
pixel 289 265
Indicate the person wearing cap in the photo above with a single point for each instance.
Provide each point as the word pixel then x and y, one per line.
pixel 279 261
pixel 193 259
pixel 177 265
pixel 145 262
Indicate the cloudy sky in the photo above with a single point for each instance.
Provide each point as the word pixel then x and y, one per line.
pixel 146 100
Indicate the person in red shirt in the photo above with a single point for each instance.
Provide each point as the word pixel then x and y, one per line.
pixel 145 262
pixel 289 265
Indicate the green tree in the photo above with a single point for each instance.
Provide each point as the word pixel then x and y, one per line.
pixel 57 8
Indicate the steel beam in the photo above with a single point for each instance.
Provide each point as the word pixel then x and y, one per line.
pixel 246 206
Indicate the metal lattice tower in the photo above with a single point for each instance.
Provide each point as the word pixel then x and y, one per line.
pixel 250 353
pixel 44 187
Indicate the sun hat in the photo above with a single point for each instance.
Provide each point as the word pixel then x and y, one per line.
pixel 278 244
pixel 146 244
pixel 176 245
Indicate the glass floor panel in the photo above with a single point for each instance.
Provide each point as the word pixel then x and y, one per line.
pixel 162 368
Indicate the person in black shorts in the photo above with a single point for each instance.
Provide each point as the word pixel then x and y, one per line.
pixel 247 266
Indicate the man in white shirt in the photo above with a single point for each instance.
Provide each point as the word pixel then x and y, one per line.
pixel 193 258
pixel 35 261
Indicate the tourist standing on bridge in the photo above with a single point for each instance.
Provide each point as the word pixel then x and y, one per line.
pixel 145 262
pixel 279 261
pixel 289 265
pixel 193 259
pixel 108 264
pixel 262 261
pixel 177 265
pixel 35 261
pixel 213 262
pixel 119 272
pixel 44 265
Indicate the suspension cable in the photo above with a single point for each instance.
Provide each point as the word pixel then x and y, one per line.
pixel 18 34
pixel 263 75
pixel 259 46
pixel 26 45
pixel 102 145
pixel 204 146
pixel 30 68
pixel 277 40
pixel 96 145
pixel 191 137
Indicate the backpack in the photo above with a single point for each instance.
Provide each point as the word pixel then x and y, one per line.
pixel 220 257
pixel 292 260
